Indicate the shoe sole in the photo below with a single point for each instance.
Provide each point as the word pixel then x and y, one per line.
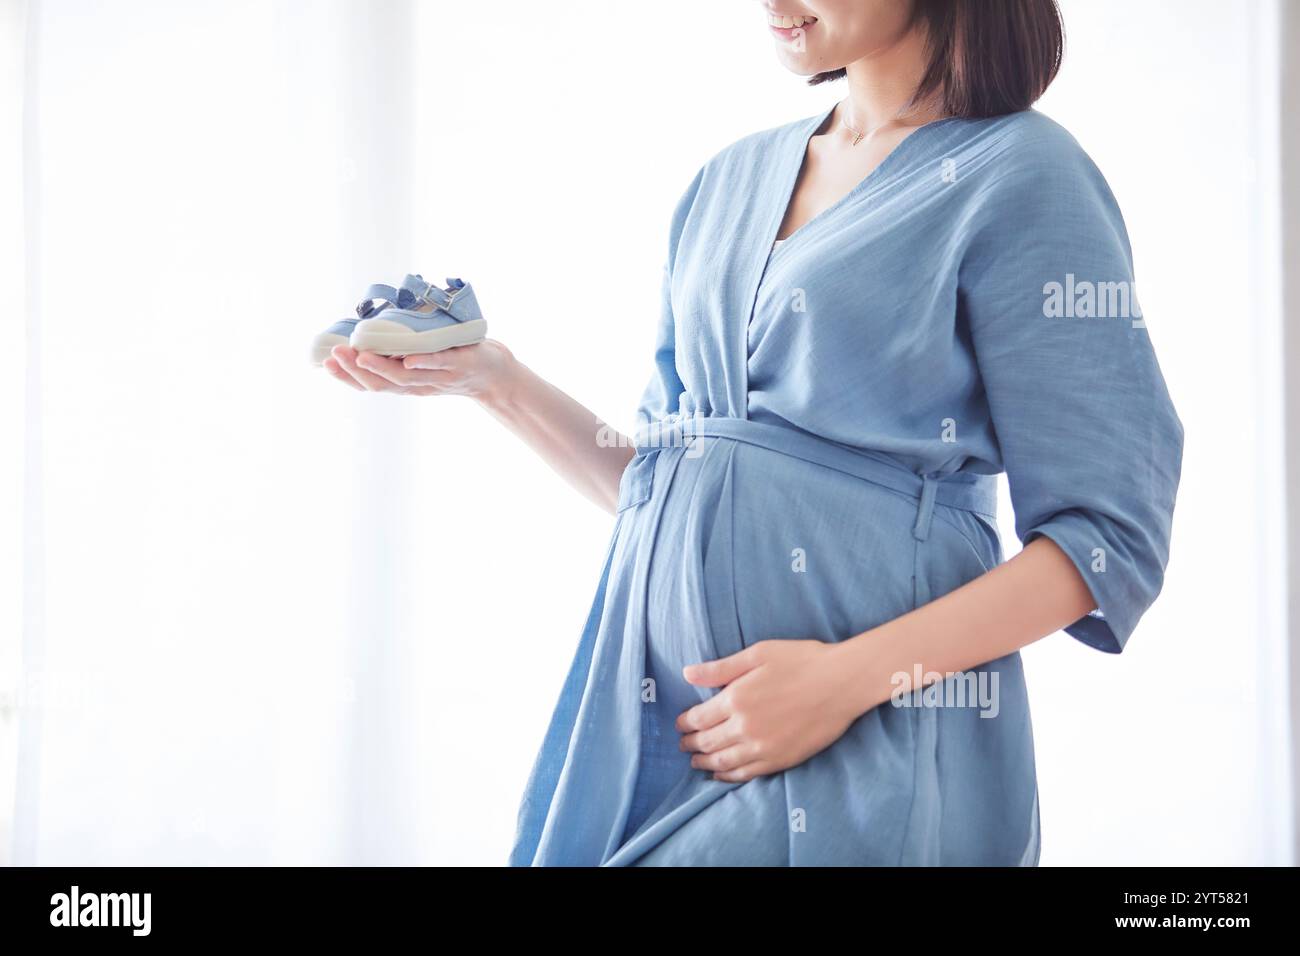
pixel 390 338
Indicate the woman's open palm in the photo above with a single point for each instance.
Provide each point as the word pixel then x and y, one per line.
pixel 469 370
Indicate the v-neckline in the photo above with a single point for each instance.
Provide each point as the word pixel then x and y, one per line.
pixel 756 248
pixel 801 159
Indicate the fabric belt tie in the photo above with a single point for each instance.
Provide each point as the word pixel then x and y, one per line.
pixel 964 491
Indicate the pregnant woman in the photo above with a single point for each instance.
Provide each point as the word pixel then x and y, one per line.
pixel 804 647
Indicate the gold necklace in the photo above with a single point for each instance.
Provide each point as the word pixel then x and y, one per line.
pixel 857 133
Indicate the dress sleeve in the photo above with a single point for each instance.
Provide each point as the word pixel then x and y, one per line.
pixel 1089 438
pixel 662 396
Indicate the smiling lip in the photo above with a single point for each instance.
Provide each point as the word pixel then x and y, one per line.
pixel 788 27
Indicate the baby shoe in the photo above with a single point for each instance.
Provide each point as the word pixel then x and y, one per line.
pixel 438 319
pixel 378 298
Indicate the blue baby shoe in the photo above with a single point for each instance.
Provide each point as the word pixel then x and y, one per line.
pixel 378 298
pixel 437 319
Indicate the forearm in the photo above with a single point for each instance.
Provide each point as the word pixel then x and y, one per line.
pixel 578 446
pixel 1035 594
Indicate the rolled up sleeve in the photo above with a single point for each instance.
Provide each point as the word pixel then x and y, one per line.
pixel 1088 435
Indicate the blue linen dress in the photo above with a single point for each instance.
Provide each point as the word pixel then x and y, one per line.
pixel 821 436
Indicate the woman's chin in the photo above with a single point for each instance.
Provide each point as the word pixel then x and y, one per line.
pixel 796 61
pixel 800 65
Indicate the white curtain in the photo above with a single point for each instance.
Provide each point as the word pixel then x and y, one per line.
pixel 12 403
pixel 248 616
pixel 212 672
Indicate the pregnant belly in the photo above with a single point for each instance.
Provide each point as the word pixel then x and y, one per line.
pixel 754 545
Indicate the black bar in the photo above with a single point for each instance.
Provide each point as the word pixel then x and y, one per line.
pixel 341 905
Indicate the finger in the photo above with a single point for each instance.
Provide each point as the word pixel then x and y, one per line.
pixel 332 366
pixel 437 380
pixel 445 359
pixel 714 739
pixel 389 369
pixel 741 774
pixel 722 671
pixel 368 380
pixel 341 352
pixel 703 716
pixel 431 360
pixel 732 758
pixel 399 374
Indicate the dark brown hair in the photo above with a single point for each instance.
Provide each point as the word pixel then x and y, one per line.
pixel 987 57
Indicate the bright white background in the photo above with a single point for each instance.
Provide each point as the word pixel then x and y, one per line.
pixel 249 616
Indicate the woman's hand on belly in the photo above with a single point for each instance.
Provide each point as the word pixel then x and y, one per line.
pixel 784 701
